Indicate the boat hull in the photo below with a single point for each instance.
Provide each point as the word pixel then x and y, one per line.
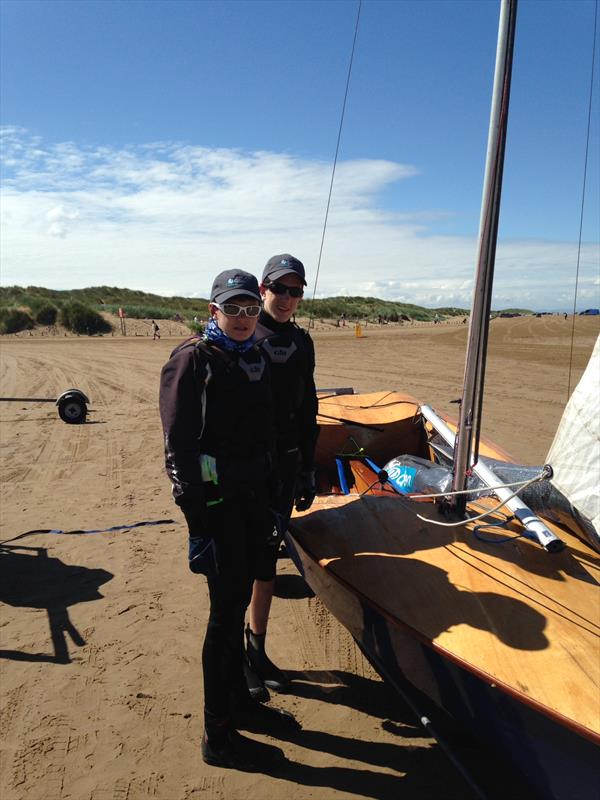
pixel 554 761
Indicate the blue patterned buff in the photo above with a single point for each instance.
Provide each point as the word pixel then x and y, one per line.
pixel 214 334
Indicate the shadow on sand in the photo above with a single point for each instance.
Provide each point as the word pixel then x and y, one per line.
pixel 414 769
pixel 29 578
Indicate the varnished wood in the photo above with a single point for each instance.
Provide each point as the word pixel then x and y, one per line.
pixel 527 620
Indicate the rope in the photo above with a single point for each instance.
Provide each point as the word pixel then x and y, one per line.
pixel 520 484
pixel 368 489
pixel 500 524
pixel 337 149
pixel 523 484
pixel 95 530
pixel 479 516
pixel 585 166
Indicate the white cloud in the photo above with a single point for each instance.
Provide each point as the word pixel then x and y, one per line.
pixel 58 217
pixel 165 217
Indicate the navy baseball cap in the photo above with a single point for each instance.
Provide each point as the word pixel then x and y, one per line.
pixel 285 264
pixel 234 283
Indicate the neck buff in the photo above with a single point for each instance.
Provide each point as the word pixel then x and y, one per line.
pixel 214 334
pixel 271 323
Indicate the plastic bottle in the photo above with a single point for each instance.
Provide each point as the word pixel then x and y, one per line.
pixel 413 475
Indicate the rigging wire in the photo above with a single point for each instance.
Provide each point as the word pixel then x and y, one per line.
pixel 402 500
pixel 521 485
pixel 479 516
pixel 585 167
pixel 337 149
pixel 482 490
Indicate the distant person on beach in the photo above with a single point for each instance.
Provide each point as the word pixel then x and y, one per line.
pixel 291 353
pixel 217 415
pixel 155 330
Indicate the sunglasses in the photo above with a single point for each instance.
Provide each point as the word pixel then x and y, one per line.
pixel 233 310
pixel 281 288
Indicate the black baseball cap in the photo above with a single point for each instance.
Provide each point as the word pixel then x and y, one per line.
pixel 285 264
pixel 233 283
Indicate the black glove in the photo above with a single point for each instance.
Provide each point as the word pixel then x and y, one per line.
pixel 305 490
pixel 202 554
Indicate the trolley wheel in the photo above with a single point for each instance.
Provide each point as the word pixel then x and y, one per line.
pixel 72 409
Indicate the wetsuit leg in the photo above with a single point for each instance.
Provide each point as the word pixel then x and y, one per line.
pixel 288 471
pixel 230 590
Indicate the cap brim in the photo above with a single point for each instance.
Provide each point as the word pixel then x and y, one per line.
pixel 222 297
pixel 279 273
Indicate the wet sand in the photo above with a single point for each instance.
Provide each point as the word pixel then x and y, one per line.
pixel 101 634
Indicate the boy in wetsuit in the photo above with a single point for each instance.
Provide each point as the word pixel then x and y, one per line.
pixel 291 353
pixel 216 411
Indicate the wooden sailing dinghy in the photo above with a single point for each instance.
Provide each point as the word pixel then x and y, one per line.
pixel 496 619
pixel 491 627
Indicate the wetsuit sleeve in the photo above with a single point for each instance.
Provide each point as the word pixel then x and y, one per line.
pixel 182 400
pixel 307 413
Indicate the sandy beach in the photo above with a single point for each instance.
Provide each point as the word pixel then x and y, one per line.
pixel 101 633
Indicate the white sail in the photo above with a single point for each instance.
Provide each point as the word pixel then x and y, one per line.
pixel 575 451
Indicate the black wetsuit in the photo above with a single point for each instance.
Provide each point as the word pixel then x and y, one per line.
pixel 291 353
pixel 217 416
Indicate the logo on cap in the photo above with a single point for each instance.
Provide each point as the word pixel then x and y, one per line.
pixel 235 282
pixel 284 262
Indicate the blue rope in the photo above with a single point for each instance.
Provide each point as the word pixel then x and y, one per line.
pixel 503 524
pixel 94 530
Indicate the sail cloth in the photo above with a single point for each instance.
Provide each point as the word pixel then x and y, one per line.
pixel 575 451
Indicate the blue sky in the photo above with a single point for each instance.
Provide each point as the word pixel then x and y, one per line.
pixel 152 144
